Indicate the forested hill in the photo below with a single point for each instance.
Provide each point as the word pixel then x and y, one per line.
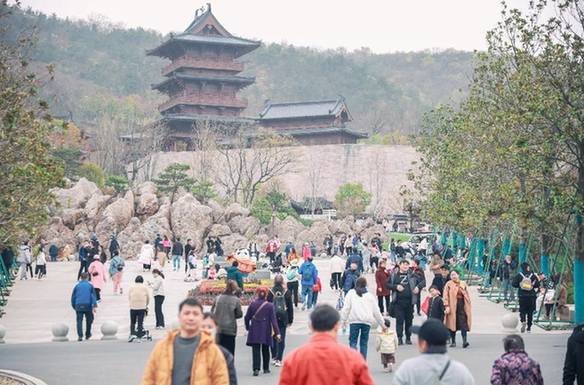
pixel 387 92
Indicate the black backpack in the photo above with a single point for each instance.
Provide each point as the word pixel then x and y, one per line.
pixel 280 305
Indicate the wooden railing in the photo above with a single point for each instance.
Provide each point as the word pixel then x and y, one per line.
pixel 207 63
pixel 202 99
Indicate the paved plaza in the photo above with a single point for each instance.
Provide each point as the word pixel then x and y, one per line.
pixel 35 306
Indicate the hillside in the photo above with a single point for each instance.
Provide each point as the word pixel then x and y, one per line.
pixel 385 92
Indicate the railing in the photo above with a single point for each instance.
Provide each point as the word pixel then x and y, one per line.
pixel 204 100
pixel 207 63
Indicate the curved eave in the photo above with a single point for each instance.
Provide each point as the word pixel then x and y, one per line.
pixel 323 131
pixel 241 80
pixel 243 46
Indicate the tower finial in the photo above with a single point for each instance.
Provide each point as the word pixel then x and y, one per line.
pixel 208 7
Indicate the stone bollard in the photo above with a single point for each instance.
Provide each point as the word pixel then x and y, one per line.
pixel 510 323
pixel 175 324
pixel 109 329
pixel 2 334
pixel 60 332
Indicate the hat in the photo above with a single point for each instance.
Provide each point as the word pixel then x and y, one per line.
pixel 294 262
pixel 433 332
pixel 112 235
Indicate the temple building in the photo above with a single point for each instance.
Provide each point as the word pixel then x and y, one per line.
pixel 311 123
pixel 202 79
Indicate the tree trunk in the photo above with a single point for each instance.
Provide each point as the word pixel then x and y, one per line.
pixel 480 253
pixel 523 246
pixel 579 252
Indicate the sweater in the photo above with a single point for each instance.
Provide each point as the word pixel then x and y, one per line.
pixel 158 286
pixel 516 368
pixel 364 310
pixel 409 373
pixel 139 297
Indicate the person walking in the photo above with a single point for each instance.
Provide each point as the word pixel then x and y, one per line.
pixel 435 304
pixel 167 244
pixel 416 269
pixel 527 283
pixel 24 258
pixel 328 244
pixel 260 321
pixel 386 344
pixel 282 300
pixel 227 310
pixel 177 252
pixel 98 277
pixel 188 355
pixel 84 302
pixel 515 367
pixel 116 272
pixel 441 279
pixel 316 289
pixel 404 286
pixel 349 278
pixel 432 366
pixel 234 274
pixel 158 294
pixel 337 266
pixel 102 254
pixel 190 245
pixel 218 247
pixel 53 252
pixel 355 258
pixel 271 247
pixel 146 256
pixel 210 324
pixel 383 293
pixel 436 263
pixel 41 264
pixel 366 256
pixel 309 276
pixel 457 307
pixel 574 361
pixel 84 251
pixel 506 274
pixel 8 258
pixel 292 277
pixel 114 245
pixel 361 312
pixel 139 300
pixel 323 360
pixel 161 257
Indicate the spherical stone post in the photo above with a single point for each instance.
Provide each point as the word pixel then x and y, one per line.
pixel 2 334
pixel 510 323
pixel 60 332
pixel 109 329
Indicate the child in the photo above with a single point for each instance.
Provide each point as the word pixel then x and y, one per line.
pixel 205 266
pixel 192 270
pixel 315 290
pixel 435 305
pixel 41 264
pixel 220 273
pixel 386 344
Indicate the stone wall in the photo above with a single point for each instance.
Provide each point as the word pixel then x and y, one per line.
pixel 381 169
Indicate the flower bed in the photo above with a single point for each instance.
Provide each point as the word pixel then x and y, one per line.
pixel 209 290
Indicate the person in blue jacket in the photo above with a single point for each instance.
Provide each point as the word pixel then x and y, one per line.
pixel 355 258
pixel 309 276
pixel 84 301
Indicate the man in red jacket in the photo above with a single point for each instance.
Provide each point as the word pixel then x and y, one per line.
pixel 323 360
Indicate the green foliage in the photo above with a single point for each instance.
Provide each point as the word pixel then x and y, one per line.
pixel 173 178
pixel 69 156
pixel 273 203
pixel 93 173
pixel 203 191
pixel 118 183
pixel 27 169
pixel 352 199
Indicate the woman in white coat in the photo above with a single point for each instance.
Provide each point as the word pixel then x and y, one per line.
pixel 361 312
pixel 146 255
pixel 337 267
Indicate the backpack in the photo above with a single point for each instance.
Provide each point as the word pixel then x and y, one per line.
pixel 526 283
pixel 291 274
pixel 280 305
pixel 308 274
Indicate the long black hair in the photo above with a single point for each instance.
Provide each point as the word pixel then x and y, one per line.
pixel 360 285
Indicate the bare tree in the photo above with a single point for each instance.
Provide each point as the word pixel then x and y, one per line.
pixel 315 181
pixel 376 178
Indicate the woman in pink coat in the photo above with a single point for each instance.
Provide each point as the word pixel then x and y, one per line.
pixel 98 277
pixel 306 252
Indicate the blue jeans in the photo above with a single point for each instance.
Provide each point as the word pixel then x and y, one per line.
pixel 354 330
pixel 307 289
pixel 176 261
pixel 279 346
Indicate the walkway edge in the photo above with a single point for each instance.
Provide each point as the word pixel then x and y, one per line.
pixel 28 380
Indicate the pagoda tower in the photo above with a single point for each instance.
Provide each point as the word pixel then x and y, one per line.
pixel 202 79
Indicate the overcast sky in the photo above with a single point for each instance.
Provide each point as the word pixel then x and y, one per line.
pixel 382 25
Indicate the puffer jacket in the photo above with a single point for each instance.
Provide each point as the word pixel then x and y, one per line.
pixel 209 367
pixel 337 265
pixel 386 342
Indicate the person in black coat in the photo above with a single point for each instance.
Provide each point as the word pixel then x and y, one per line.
pixel 440 279
pixel 8 258
pixel 53 252
pixel 574 362
pixel 435 305
pixel 527 283
pixel 284 318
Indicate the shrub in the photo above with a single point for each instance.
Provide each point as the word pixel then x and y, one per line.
pixel 93 173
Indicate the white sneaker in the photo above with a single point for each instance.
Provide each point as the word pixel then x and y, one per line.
pixel 132 338
pixel 274 362
pixel 303 305
pixel 278 364
pixel 386 369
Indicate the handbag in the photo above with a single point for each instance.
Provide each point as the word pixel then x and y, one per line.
pixel 391 309
pixel 425 305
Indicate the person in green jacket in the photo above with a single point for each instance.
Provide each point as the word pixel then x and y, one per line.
pixel 234 273
pixel 454 266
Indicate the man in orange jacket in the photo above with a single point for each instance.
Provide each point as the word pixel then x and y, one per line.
pixel 323 360
pixel 188 355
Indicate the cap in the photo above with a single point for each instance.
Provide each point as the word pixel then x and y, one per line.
pixel 433 332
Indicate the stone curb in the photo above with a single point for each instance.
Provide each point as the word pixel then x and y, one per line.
pixel 25 378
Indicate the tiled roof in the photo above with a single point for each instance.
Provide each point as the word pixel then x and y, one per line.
pixel 246 45
pixel 323 130
pixel 302 109
pixel 226 79
pixel 194 117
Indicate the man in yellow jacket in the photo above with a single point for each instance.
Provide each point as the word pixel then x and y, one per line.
pixel 187 356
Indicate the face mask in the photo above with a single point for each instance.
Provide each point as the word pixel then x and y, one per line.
pixel 213 332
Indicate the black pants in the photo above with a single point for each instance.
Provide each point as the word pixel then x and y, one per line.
pixel 374 261
pixel 88 321
pixel 265 356
pixel 526 308
pixel 272 257
pixel 314 298
pixel 158 301
pixel 137 316
pixel 293 287
pixel 404 313
pixel 279 346
pixel 336 277
pixel 29 268
pixel 329 251
pixel 82 268
pixel 463 333
pixel 227 341
pixel 381 299
pixel 419 303
pixel 97 294
pixel 54 258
